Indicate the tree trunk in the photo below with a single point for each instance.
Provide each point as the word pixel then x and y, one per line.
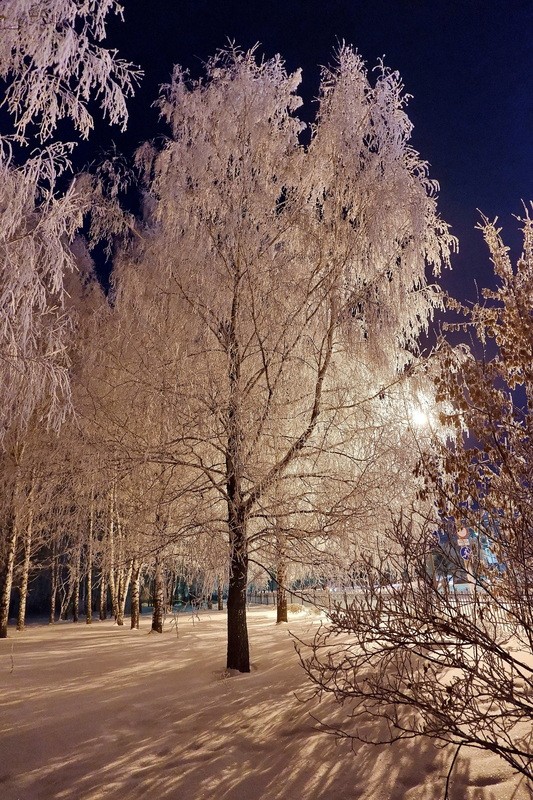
pixel 158 615
pixel 123 574
pixel 113 579
pixel 220 601
pixel 238 647
pixel 89 588
pixel 53 584
pixel 8 580
pixel 21 621
pixel 123 588
pixel 281 595
pixel 170 591
pixel 238 656
pixel 135 593
pixel 76 585
pixel 11 551
pixel 103 595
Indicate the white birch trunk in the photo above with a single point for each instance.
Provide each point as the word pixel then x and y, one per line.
pixel 28 534
pixel 11 547
pixel 103 595
pixel 135 592
pixel 76 584
pixel 53 584
pixel 8 580
pixel 112 576
pixel 89 588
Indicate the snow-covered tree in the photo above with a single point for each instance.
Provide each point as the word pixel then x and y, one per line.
pixel 35 230
pixel 288 266
pixel 53 65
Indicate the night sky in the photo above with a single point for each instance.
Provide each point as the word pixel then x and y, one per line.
pixel 467 64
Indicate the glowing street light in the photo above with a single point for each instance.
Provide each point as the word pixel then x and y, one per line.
pixel 419 418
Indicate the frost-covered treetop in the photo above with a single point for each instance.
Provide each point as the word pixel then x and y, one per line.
pixel 53 63
pixel 356 202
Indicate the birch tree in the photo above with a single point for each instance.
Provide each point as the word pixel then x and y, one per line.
pixel 12 522
pixel 55 471
pixel 32 481
pixel 52 64
pixel 127 397
pixel 286 263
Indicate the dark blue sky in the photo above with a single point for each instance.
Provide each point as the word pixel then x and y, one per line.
pixel 467 63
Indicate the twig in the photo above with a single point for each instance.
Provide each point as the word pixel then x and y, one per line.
pixel 454 759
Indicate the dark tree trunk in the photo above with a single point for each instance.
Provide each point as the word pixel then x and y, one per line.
pixel 158 615
pixel 281 595
pixel 220 601
pixel 238 647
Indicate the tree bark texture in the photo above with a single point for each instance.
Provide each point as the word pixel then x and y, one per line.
pixel 123 588
pixel 76 585
pixel 158 614
pixel 220 601
pixel 89 566
pixel 238 656
pixel 281 595
pixel 103 595
pixel 12 539
pixel 8 580
pixel 113 580
pixel 54 570
pixel 135 593
pixel 238 647
pixel 28 532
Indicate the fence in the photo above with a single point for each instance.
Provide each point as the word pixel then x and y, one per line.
pixel 481 609
pixel 318 598
pixel 486 611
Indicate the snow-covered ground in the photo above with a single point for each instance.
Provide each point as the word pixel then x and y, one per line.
pixel 99 712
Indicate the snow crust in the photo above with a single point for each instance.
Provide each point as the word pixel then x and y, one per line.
pixel 105 713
